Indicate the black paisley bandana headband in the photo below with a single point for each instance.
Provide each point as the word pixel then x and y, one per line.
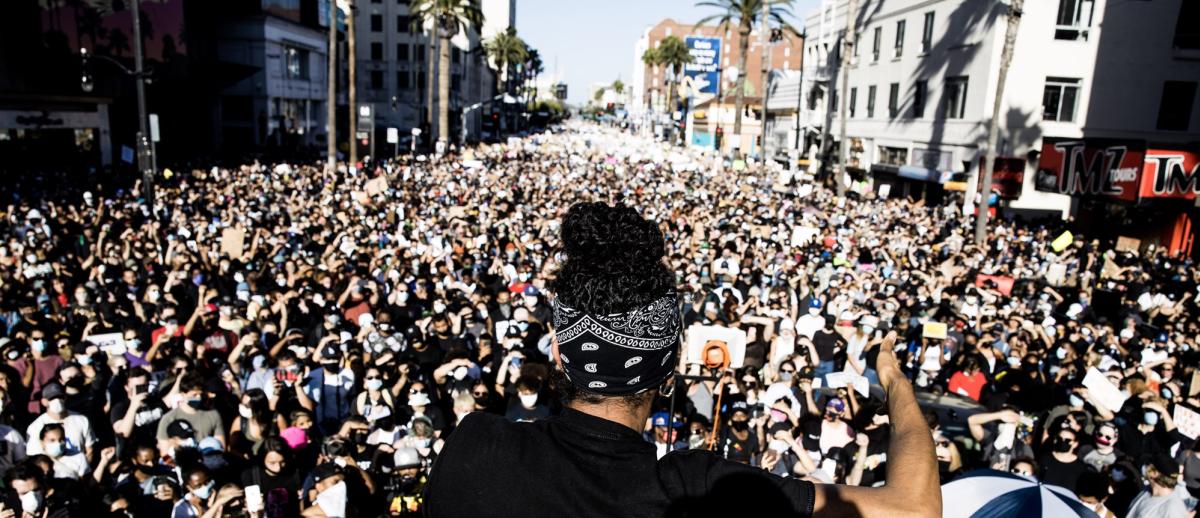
pixel 621 353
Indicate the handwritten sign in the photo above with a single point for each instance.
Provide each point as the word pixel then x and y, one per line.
pixel 1003 284
pixel 1187 421
pixel 113 344
pixel 1128 244
pixel 232 242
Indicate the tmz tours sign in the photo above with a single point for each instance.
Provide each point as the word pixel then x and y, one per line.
pixel 1121 170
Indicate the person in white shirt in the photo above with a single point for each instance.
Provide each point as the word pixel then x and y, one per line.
pixel 76 428
pixel 12 443
pixel 66 464
pixel 812 322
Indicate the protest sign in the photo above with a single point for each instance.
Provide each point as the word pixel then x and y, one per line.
pixel 1187 421
pixel 1061 242
pixel 1003 284
pixel 935 330
pixel 233 240
pixel 1103 390
pixel 113 344
pixel 1128 244
pixel 708 343
pixel 803 235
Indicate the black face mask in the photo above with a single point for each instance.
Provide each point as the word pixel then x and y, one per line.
pixel 1062 445
pixel 75 382
pixel 330 367
pixel 740 426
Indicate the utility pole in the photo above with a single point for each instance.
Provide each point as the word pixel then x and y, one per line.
pixel 331 94
pixel 351 60
pixel 799 102
pixel 764 27
pixel 847 51
pixel 1010 38
pixel 430 84
pixel 144 159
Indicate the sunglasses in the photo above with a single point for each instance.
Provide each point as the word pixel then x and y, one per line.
pixel 373 377
pixel 789 371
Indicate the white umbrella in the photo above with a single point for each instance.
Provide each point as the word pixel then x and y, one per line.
pixel 989 493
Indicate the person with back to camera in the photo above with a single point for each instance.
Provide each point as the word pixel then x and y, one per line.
pixel 616 343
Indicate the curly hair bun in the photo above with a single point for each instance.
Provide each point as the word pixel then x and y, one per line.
pixel 614 259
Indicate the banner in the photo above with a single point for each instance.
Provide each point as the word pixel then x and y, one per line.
pixel 1122 170
pixel 1007 176
pixel 704 70
pixel 1002 284
pixel 1187 421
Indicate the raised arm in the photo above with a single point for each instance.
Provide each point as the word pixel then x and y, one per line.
pixel 912 489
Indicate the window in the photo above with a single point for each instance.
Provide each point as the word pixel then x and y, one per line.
pixel 454 55
pixel 894 100
pixel 1187 26
pixel 376 23
pixel 419 78
pixel 402 80
pixel 920 93
pixel 401 52
pixel 853 99
pixel 376 79
pixel 403 24
pixel 295 62
pixel 899 38
pixel 927 33
pixel 1059 99
pixel 454 82
pixel 870 101
pixel 1175 107
pixel 376 51
pixel 420 54
pixel 1074 18
pixel 875 44
pixel 954 99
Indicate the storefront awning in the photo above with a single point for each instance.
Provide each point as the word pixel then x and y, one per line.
pixel 884 168
pixel 922 174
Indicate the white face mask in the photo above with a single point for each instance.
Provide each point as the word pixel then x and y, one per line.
pixel 57 406
pixel 814 311
pixel 245 412
pixel 374 384
pixel 31 502
pixel 203 492
pixel 528 400
pixel 54 449
pixel 460 373
pixel 333 500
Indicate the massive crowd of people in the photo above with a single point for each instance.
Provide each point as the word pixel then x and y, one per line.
pixel 280 340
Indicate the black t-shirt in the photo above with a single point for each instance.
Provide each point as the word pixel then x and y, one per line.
pixel 145 424
pixel 1062 474
pixel 576 464
pixel 826 343
pixel 280 492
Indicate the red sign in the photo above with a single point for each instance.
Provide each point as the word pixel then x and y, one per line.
pixel 1007 176
pixel 1171 174
pixel 1091 168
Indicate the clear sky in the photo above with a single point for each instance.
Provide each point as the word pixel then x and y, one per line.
pixel 591 41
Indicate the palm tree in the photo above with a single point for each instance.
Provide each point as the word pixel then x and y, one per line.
pixel 672 53
pixel 745 14
pixel 1006 55
pixel 450 17
pixel 533 68
pixel 650 58
pixel 505 50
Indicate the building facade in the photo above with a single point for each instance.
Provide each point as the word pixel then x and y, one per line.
pixel 922 81
pixel 649 82
pixel 396 56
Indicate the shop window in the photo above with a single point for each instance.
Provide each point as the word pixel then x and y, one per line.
pixel 1059 99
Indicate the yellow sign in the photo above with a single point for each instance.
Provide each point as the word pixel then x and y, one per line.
pixel 1062 242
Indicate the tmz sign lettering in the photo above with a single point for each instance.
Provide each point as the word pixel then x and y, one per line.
pixel 1171 174
pixel 1085 168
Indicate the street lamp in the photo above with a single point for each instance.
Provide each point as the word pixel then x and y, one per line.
pixel 145 154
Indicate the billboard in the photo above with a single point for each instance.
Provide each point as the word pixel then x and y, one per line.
pixel 1123 170
pixel 704 72
pixel 1007 175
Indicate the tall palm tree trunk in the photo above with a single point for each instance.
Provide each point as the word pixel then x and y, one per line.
pixel 430 83
pixel 444 89
pixel 739 97
pixel 844 87
pixel 1010 38
pixel 331 95
pixel 351 60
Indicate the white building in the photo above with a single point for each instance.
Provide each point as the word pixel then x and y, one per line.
pixel 394 62
pixel 923 77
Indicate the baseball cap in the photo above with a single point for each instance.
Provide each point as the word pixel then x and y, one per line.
pixel 739 406
pixel 1165 465
pixel 661 419
pixel 836 404
pixel 324 471
pixel 426 419
pixel 210 445
pixel 331 352
pixel 53 391
pixel 181 429
pixel 531 291
pixel 815 303
pixel 806 373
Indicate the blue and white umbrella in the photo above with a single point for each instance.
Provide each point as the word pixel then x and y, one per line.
pixel 989 493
